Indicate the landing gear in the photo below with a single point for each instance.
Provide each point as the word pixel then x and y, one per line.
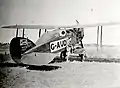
pixel 63 54
pixel 81 57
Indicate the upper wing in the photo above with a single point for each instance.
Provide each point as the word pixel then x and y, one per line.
pixel 35 27
pixel 98 24
pixel 29 27
pixel 56 27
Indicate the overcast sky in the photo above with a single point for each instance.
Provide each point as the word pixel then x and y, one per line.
pixel 61 12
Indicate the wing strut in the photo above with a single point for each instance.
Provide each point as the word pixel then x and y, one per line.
pixel 17 32
pixel 23 32
pixel 45 30
pixel 97 38
pixel 101 37
pixel 39 32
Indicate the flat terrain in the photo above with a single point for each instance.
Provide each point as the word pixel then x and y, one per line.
pixel 100 70
pixel 70 75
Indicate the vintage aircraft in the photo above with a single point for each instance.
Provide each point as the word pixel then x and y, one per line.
pixel 50 42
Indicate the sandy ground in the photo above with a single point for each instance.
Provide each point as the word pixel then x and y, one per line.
pixel 70 75
pixel 104 52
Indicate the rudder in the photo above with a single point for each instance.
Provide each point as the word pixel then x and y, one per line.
pixel 18 46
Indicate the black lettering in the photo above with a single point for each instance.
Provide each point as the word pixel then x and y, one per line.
pixel 64 42
pixel 58 45
pixel 61 43
pixel 52 46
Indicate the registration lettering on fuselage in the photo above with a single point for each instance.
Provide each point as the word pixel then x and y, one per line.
pixel 58 45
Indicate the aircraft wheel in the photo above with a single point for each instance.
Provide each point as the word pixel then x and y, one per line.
pixel 81 57
pixel 63 56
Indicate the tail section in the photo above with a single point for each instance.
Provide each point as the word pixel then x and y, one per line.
pixel 18 46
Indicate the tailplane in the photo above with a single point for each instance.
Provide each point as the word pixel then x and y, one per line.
pixel 18 46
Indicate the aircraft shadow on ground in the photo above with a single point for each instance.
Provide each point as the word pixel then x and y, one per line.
pixel 31 67
pixel 43 68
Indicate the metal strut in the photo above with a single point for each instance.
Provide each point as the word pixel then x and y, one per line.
pixel 97 37
pixel 39 32
pixel 45 30
pixel 17 32
pixel 23 32
pixel 101 37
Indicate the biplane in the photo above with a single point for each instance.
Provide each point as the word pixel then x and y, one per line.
pixel 49 42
